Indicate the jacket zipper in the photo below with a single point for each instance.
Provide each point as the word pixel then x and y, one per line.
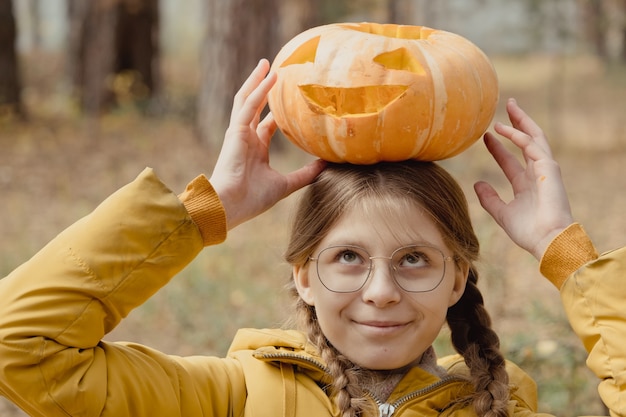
pixel 385 409
pixel 388 409
pixel 301 358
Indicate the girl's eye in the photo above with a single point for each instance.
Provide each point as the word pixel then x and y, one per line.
pixel 349 257
pixel 413 260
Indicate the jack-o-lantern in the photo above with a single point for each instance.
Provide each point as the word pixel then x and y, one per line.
pixel 364 92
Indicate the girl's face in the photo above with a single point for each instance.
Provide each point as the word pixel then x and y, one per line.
pixel 381 326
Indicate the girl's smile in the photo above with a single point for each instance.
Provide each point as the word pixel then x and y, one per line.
pixel 382 328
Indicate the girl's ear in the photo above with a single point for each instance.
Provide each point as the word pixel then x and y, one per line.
pixel 461 272
pixel 303 284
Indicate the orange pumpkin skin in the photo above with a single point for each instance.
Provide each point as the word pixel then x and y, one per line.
pixel 363 92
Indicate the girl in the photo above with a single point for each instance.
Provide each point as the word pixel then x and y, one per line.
pixel 382 256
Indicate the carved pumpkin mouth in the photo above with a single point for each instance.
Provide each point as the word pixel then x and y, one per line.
pixel 342 101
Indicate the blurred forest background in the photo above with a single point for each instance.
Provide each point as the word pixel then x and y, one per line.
pixel 91 91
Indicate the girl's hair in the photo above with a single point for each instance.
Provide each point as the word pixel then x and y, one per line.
pixel 342 186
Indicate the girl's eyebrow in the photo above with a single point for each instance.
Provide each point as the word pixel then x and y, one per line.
pixel 364 245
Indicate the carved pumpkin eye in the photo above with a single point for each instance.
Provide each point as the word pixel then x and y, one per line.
pixel 400 59
pixel 304 54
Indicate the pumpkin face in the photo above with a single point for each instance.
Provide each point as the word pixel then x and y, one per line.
pixel 364 93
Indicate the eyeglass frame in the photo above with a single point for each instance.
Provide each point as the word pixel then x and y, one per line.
pixel 392 268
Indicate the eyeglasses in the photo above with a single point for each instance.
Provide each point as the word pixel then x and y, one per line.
pixel 346 268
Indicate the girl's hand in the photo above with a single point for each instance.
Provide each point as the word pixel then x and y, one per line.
pixel 540 208
pixel 242 177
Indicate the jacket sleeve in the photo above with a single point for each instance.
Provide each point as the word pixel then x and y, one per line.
pixel 593 291
pixel 56 308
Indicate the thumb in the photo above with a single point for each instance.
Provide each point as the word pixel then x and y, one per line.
pixel 303 176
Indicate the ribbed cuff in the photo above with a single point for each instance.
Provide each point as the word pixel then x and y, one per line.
pixel 206 210
pixel 568 251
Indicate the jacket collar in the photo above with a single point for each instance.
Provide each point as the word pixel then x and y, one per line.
pixel 290 347
pixel 282 346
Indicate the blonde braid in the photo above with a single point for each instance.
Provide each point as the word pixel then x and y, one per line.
pixel 345 388
pixel 473 337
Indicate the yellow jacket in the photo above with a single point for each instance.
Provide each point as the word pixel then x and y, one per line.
pixel 56 308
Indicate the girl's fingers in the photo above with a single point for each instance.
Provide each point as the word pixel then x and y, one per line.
pixel 254 103
pixel 532 148
pixel 505 159
pixel 526 125
pixel 255 77
pixel 254 80
pixel 490 200
pixel 521 120
pixel 266 129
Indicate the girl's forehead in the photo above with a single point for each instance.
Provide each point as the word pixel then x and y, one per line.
pixel 394 223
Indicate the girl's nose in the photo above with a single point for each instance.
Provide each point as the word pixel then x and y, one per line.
pixel 381 288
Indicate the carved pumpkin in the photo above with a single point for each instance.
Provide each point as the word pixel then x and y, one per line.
pixel 364 93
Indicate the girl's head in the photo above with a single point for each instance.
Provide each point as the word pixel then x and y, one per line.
pixel 387 321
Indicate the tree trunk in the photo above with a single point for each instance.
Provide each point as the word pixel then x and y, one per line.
pixel 137 47
pixel 623 29
pixel 239 33
pixel 296 16
pixel 34 11
pixel 92 34
pixel 400 11
pixel 109 38
pixel 595 22
pixel 10 101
